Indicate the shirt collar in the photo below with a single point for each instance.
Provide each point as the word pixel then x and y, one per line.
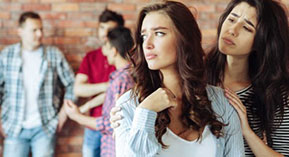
pixel 118 72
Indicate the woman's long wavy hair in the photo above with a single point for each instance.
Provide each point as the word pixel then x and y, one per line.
pixel 196 108
pixel 268 62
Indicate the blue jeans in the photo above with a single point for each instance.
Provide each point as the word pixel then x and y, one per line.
pixel 91 143
pixel 41 144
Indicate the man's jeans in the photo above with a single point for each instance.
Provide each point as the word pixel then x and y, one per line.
pixel 91 143
pixel 41 144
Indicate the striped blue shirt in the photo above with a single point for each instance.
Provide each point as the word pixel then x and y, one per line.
pixel 55 77
pixel 135 137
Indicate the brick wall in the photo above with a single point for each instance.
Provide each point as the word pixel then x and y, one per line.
pixel 72 26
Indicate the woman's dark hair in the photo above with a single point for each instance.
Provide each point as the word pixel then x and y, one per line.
pixel 196 108
pixel 108 15
pixel 120 38
pixel 268 61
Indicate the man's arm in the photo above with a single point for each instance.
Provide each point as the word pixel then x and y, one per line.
pixel 73 113
pixel 84 89
pixel 66 77
pixel 96 101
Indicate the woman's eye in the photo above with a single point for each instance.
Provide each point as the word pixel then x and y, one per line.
pixel 143 36
pixel 231 20
pixel 247 29
pixel 160 34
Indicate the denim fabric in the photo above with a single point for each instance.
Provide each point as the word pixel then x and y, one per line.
pixel 34 140
pixel 91 143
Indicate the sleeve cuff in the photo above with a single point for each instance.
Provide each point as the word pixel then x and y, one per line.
pixel 144 119
pixel 70 97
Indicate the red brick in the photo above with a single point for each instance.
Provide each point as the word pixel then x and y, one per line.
pixel 70 23
pixel 131 25
pixel 4 15
pixel 75 148
pixel 137 1
pixel 12 31
pixel 82 1
pixel 80 15
pixel 66 40
pixel 77 32
pixel 122 7
pixel 9 40
pixel 129 16
pixel 47 40
pixel 49 31
pixel 61 149
pixel 70 140
pixel 69 155
pixel 91 24
pixel 220 8
pixel 49 23
pixel 72 58
pixel 92 7
pixel 3 32
pixel 36 7
pixel 205 8
pixel 10 24
pixel 52 1
pixel 10 7
pixel 54 16
pixel 209 32
pixel 26 1
pixel 140 6
pixel 65 7
pixel 75 49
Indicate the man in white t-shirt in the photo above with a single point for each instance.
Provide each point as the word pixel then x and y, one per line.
pixel 33 78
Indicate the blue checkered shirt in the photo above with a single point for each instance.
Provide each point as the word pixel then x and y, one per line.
pixel 56 77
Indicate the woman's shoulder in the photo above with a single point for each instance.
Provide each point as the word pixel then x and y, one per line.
pixel 127 101
pixel 220 103
pixel 215 93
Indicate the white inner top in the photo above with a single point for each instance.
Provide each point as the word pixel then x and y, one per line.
pixel 205 147
pixel 31 79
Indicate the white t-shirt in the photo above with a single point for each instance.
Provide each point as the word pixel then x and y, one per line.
pixel 178 147
pixel 31 79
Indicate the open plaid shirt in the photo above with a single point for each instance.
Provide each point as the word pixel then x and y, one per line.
pixel 55 75
pixel 120 81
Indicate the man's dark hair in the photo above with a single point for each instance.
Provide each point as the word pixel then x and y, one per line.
pixel 108 15
pixel 26 15
pixel 120 38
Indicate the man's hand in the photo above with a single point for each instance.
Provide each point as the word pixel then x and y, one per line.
pixel 2 133
pixel 71 110
pixel 62 117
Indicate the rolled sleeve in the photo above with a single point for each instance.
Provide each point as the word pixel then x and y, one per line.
pixel 144 120
pixel 66 76
pixel 135 136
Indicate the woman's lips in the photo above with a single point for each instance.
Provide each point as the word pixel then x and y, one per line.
pixel 228 41
pixel 150 56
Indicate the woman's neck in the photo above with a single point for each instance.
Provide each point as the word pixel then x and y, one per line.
pixel 236 75
pixel 171 80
